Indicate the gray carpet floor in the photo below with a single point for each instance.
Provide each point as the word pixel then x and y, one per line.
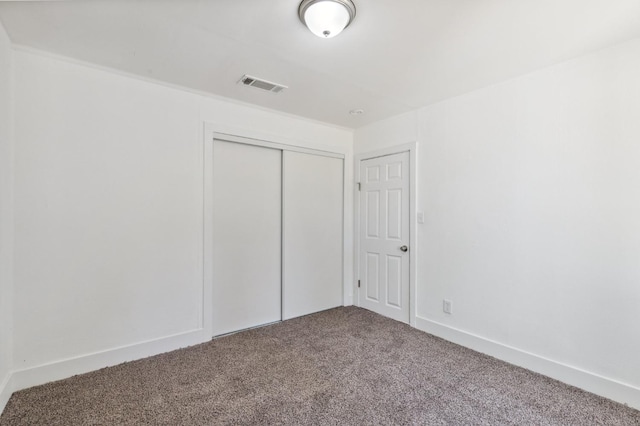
pixel 345 366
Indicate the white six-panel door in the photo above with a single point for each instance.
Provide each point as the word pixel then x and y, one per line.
pixel 384 236
pixel 247 217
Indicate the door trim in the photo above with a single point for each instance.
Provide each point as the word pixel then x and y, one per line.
pixel 412 148
pixel 274 145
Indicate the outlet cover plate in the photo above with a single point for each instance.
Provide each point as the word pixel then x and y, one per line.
pixel 447 306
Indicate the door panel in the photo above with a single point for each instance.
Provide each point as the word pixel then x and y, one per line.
pixel 313 194
pixel 394 211
pixel 372 277
pixel 373 208
pixel 394 281
pixel 384 229
pixel 247 212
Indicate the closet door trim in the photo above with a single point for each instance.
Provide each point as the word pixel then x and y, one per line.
pixel 275 145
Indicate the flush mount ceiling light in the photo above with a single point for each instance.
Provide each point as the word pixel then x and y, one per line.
pixel 326 18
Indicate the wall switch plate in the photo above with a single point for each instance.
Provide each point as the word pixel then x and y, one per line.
pixel 447 306
pixel 420 217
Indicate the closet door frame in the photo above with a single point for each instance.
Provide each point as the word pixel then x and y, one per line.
pixel 210 135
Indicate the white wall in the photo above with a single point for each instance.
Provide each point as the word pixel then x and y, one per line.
pixel 6 217
pixel 531 190
pixel 109 202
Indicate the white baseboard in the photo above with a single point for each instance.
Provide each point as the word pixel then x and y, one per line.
pixel 6 389
pixel 594 383
pixel 63 369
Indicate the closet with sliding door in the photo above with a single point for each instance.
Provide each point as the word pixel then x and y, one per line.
pixel 277 232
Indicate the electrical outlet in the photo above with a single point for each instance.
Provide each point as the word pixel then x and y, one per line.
pixel 447 306
pixel 420 217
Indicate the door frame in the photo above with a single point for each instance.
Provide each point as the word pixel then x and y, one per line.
pixel 218 131
pixel 412 149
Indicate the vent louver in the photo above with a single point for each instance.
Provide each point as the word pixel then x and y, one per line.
pixel 269 86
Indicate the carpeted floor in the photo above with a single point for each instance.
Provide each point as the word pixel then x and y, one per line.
pixel 345 366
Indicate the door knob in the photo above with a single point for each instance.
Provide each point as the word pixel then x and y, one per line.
pixel 404 248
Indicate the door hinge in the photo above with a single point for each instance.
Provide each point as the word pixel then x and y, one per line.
pixel 358 283
pixel 359 186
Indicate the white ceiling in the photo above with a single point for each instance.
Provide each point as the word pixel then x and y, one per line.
pixel 396 56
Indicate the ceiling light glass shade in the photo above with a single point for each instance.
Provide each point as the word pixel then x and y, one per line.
pixel 326 18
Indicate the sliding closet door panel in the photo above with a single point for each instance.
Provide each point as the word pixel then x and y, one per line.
pixel 247 235
pixel 313 187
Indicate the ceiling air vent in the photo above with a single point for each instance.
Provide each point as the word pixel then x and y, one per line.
pixel 258 83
